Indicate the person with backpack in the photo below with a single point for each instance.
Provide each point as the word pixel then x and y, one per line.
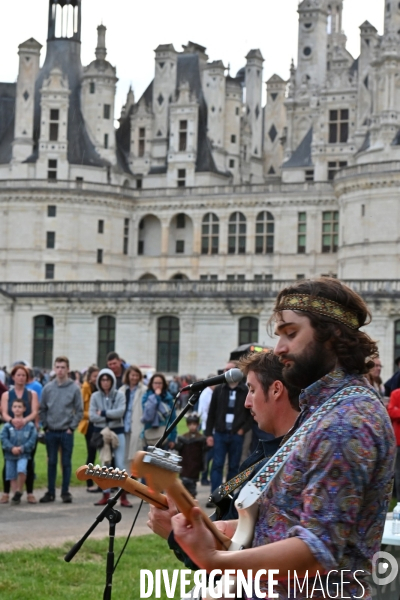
pixel 158 410
pixel 20 376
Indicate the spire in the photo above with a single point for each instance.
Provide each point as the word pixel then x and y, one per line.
pixel 101 50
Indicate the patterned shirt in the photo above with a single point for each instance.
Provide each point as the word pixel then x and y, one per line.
pixel 333 491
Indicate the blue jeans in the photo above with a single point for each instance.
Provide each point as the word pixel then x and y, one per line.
pixel 230 444
pixel 54 441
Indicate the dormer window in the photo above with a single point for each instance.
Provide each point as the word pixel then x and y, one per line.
pixel 54 121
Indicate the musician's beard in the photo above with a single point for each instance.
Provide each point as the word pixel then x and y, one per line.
pixel 306 368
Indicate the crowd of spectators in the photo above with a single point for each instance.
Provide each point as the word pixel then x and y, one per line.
pixel 121 409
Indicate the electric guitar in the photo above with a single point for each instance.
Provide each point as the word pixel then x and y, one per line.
pixel 160 469
pixel 104 477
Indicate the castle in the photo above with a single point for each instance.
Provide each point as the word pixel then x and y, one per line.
pixel 168 237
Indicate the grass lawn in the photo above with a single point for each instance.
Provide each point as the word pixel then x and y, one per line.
pixel 44 575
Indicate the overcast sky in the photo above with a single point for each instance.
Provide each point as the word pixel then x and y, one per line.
pixel 135 29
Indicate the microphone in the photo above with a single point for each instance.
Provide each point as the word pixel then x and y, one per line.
pixel 231 376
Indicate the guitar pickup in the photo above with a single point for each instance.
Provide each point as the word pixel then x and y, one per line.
pixel 163 459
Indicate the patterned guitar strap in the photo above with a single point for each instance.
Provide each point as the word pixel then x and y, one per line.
pixel 263 478
pixel 224 490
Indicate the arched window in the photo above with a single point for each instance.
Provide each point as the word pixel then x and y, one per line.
pixel 237 234
pixel 106 339
pixel 210 234
pixel 396 340
pixel 168 344
pixel 43 333
pixel 265 233
pixel 248 330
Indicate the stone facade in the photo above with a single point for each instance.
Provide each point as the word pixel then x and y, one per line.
pixel 199 182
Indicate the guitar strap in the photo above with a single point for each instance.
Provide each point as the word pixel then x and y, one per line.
pixel 230 486
pixel 263 478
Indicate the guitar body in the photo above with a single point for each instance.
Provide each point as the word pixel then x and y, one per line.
pixel 160 469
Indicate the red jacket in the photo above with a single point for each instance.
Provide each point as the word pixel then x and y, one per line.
pixel 394 413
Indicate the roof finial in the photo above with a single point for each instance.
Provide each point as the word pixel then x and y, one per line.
pixel 101 50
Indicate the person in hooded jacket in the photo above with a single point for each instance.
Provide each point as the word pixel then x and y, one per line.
pixel 106 410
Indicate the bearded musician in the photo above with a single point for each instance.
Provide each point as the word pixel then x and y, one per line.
pixel 325 509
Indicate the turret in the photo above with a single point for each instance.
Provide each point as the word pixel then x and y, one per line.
pixel 313 42
pixel 98 99
pixel 274 126
pixel 164 86
pixel 214 91
pixel 254 69
pixel 368 41
pixel 29 59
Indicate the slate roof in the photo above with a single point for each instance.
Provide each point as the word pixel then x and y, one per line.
pixel 366 143
pixel 354 67
pixel 301 157
pixel 7 120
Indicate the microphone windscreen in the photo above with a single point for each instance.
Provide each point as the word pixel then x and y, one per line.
pixel 233 376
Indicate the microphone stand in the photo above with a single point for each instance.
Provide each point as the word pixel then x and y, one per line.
pixel 114 516
pixel 190 404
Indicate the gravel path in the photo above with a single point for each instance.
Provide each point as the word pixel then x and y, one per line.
pixel 53 524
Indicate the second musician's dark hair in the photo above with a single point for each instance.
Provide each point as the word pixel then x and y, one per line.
pixel 268 369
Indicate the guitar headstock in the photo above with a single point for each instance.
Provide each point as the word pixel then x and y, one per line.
pixel 159 467
pixel 102 476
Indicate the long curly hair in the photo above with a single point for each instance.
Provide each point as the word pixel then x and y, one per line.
pixel 354 348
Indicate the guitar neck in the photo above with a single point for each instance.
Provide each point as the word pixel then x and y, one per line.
pixel 142 491
pixel 106 477
pixel 185 503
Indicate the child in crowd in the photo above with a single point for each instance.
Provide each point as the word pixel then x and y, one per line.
pixel 17 445
pixel 191 447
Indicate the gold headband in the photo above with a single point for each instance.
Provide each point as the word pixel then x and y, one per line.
pixel 321 306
